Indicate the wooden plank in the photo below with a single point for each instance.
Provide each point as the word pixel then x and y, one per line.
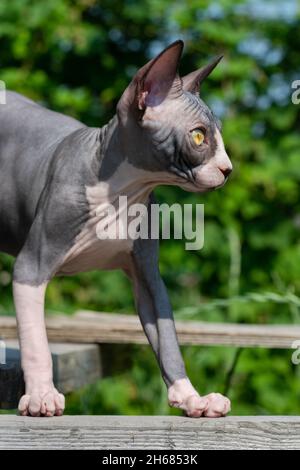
pixel 74 366
pixel 92 327
pixel 149 432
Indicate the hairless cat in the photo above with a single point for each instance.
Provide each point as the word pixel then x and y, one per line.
pixel 55 174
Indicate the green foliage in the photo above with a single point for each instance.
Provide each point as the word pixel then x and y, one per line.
pixel 76 56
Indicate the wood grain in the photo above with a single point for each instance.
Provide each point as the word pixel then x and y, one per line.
pixel 91 327
pixel 149 432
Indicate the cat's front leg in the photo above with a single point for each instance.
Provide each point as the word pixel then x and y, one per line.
pixel 29 286
pixel 41 397
pixel 156 316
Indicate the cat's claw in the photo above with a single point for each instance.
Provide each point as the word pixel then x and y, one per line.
pixel 182 395
pixel 41 403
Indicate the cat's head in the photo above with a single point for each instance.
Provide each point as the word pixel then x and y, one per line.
pixel 167 128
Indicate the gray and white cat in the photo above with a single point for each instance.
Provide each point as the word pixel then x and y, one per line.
pixel 55 175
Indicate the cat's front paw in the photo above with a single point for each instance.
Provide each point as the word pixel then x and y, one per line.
pixel 183 395
pixel 42 402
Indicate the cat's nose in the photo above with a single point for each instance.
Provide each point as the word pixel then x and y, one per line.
pixel 226 171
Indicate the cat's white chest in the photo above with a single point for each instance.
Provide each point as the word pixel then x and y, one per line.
pixel 104 242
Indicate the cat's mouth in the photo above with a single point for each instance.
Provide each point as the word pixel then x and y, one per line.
pixel 202 178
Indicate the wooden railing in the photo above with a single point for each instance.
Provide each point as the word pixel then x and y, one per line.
pixel 92 327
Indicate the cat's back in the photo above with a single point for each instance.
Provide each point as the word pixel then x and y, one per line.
pixel 29 135
pixel 23 119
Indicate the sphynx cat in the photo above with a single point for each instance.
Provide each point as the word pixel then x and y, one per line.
pixel 55 174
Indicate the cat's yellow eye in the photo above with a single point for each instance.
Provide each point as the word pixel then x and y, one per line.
pixel 198 136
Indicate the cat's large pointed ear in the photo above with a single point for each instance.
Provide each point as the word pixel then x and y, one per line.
pixel 153 82
pixel 193 80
